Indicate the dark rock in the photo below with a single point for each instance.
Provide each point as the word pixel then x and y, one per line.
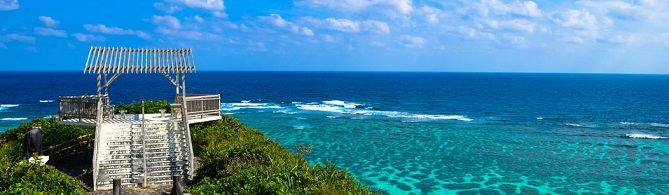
pixel 468 192
pixel 564 191
pixel 402 174
pixel 512 179
pixel 404 187
pixel 427 186
pixel 508 188
pixel 478 179
pixel 488 191
pixel 492 181
pixel 534 183
pixel 458 180
pixel 418 176
pixel 462 186
pixel 527 190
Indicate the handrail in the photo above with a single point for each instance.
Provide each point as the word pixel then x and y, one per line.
pixel 201 105
pixel 82 107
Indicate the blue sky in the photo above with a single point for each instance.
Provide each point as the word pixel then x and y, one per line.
pixel 596 36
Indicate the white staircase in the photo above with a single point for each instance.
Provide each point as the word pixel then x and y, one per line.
pixel 120 153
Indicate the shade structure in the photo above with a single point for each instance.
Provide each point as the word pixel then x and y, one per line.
pixel 110 60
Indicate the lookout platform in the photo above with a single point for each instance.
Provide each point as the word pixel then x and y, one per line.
pixel 140 149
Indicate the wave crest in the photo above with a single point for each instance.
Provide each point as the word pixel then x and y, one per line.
pixel 644 136
pixel 13 119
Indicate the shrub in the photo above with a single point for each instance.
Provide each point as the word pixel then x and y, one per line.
pixel 28 178
pixel 149 107
pixel 237 159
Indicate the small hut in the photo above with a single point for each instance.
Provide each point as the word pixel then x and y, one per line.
pixel 140 149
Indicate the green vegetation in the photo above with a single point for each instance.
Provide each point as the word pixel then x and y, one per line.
pixel 18 177
pixel 233 159
pixel 237 159
pixel 149 107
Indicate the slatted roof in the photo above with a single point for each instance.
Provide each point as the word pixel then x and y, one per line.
pixel 139 60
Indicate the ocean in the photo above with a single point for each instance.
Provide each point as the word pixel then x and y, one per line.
pixel 425 133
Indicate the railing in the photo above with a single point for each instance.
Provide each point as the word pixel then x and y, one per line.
pixel 200 105
pixel 83 107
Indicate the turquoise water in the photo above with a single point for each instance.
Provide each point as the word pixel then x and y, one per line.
pixel 432 133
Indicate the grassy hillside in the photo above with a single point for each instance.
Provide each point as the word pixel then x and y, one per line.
pixel 28 178
pixel 233 159
pixel 237 159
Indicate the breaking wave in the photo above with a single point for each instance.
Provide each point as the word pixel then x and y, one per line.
pixel 645 124
pixel 644 136
pixel 338 107
pixel 341 107
pixel 45 101
pixel 247 105
pixel 13 119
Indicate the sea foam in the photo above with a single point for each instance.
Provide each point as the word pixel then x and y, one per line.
pixel 341 107
pixel 247 105
pixel 13 119
pixel 45 101
pixel 644 136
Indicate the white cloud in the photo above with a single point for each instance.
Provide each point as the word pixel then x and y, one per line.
pixel 256 46
pixel 169 8
pixel 48 21
pixel 198 19
pixel 202 4
pixel 497 7
pixel 197 35
pixel 431 14
pixel 619 38
pixel 20 38
pixel 412 41
pixel 529 8
pixel 216 7
pixel 516 40
pixel 350 26
pixel 88 37
pixel 6 5
pixel 516 24
pixel 278 21
pixel 101 28
pixel 472 33
pixel 575 18
pixel 401 6
pixel 167 21
pixel 50 32
pixel 220 14
pixel 343 25
pixel 171 26
pixel 328 38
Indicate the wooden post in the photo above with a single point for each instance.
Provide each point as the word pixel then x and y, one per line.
pixel 117 186
pixel 177 189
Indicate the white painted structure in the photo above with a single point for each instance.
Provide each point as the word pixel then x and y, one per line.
pixel 142 149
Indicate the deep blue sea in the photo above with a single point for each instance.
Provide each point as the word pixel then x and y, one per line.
pixel 425 133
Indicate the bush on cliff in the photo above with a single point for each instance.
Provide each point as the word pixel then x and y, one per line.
pixel 237 159
pixel 18 177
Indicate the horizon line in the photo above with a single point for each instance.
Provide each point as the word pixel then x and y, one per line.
pixel 378 71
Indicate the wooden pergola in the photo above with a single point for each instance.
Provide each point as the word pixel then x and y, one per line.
pixel 104 61
pixel 108 63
